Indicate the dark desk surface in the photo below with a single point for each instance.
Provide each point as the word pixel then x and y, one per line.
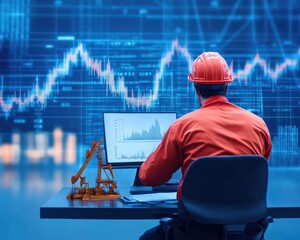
pixel 60 207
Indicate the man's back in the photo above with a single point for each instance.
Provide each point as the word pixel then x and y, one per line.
pixel 221 128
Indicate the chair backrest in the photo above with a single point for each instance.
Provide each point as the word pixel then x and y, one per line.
pixel 226 189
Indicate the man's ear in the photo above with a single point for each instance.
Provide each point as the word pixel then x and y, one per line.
pixel 197 90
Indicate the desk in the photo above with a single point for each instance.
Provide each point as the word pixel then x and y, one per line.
pixel 61 208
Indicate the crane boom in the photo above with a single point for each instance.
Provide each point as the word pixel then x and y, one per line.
pixel 88 158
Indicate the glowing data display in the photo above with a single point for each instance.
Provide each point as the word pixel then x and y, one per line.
pixel 63 63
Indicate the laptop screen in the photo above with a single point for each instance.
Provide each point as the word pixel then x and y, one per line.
pixel 131 137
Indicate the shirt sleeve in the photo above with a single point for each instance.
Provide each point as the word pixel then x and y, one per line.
pixel 268 145
pixel 163 162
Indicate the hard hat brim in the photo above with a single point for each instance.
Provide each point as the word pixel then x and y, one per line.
pixel 203 81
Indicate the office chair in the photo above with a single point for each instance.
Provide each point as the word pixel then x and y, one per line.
pixel 223 192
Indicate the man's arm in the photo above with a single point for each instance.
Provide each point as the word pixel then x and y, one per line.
pixel 163 162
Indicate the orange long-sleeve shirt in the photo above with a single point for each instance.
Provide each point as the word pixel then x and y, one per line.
pixel 217 128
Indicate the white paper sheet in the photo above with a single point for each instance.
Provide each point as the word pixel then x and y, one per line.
pixel 151 197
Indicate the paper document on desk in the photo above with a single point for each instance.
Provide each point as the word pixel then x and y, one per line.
pixel 153 197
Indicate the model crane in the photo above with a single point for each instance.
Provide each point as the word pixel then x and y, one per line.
pixel 105 188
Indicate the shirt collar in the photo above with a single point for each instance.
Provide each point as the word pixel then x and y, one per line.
pixel 213 100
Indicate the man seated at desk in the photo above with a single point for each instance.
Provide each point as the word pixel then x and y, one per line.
pixel 217 128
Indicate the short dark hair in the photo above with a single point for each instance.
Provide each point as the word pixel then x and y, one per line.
pixel 209 90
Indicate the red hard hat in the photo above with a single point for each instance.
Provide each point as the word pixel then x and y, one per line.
pixel 210 68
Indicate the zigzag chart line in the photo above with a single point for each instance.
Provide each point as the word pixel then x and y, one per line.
pixel 273 74
pixel 72 58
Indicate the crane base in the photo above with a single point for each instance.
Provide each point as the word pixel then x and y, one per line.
pixel 92 194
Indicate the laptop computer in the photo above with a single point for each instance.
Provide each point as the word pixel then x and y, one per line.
pixel 130 137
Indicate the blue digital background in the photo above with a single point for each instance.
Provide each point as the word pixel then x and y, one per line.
pixel 63 63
